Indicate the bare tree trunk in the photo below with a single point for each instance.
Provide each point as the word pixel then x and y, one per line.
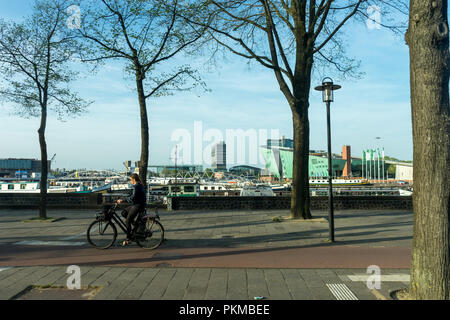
pixel 144 128
pixel 300 200
pixel 44 166
pixel 428 41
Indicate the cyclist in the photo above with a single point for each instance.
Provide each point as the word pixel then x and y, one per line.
pixel 138 200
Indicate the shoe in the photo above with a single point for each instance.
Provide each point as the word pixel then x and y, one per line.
pixel 126 242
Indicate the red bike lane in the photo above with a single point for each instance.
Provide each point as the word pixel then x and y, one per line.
pixel 309 256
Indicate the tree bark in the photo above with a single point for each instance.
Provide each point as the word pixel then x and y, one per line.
pixel 428 41
pixel 300 199
pixel 44 165
pixel 144 127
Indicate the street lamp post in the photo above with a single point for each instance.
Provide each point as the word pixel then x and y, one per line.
pixel 327 89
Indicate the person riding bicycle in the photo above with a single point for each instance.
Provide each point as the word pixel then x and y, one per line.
pixel 138 200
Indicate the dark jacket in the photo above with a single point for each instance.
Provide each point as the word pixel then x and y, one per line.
pixel 138 196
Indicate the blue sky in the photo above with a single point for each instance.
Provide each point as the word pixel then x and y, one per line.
pixel 241 97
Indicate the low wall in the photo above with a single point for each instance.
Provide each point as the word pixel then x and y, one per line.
pixel 54 200
pixel 317 203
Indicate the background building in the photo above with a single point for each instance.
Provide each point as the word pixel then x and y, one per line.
pixel 20 168
pixel 404 171
pixel 219 157
pixel 279 163
pixel 245 171
pixel 170 168
pixel 283 142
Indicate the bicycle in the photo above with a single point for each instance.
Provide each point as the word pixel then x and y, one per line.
pixel 148 232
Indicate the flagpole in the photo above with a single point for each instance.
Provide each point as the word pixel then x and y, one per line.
pixel 378 155
pixel 374 162
pixel 362 165
pixel 367 163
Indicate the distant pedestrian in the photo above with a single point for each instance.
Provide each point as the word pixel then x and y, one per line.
pixel 138 200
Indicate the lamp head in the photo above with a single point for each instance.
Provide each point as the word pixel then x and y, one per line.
pixel 327 89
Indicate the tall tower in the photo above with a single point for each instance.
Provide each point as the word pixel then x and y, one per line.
pixel 219 156
pixel 346 155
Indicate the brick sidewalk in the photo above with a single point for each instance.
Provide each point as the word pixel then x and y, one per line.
pixel 249 229
pixel 206 283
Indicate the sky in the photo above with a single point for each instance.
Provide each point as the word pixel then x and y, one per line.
pixel 240 97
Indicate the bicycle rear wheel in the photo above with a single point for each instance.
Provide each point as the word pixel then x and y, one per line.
pixel 102 234
pixel 154 234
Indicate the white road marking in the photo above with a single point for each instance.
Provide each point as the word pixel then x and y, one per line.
pixel 383 278
pixel 341 291
pixel 5 268
pixel 79 235
pixel 50 243
pixel 74 237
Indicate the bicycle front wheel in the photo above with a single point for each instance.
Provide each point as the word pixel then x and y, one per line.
pixel 102 234
pixel 154 235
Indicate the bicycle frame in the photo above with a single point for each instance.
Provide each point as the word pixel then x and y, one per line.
pixel 115 218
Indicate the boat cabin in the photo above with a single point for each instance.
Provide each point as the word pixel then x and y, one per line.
pixel 183 188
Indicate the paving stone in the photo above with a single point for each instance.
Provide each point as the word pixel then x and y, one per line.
pixel 296 285
pixel 11 292
pixel 135 289
pixel 360 290
pixel 237 285
pixel 92 275
pixel 322 293
pixel 108 277
pixel 116 287
pixel 57 275
pixel 8 272
pixel 176 288
pixel 157 287
pixel 217 285
pixel 312 279
pixel 257 286
pixel 34 277
pixel 328 276
pixel 17 276
pixel 277 287
pixel 196 289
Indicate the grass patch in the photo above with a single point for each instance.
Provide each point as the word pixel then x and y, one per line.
pixel 277 219
pixel 47 286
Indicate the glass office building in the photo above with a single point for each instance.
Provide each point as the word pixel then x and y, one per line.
pixel 279 163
